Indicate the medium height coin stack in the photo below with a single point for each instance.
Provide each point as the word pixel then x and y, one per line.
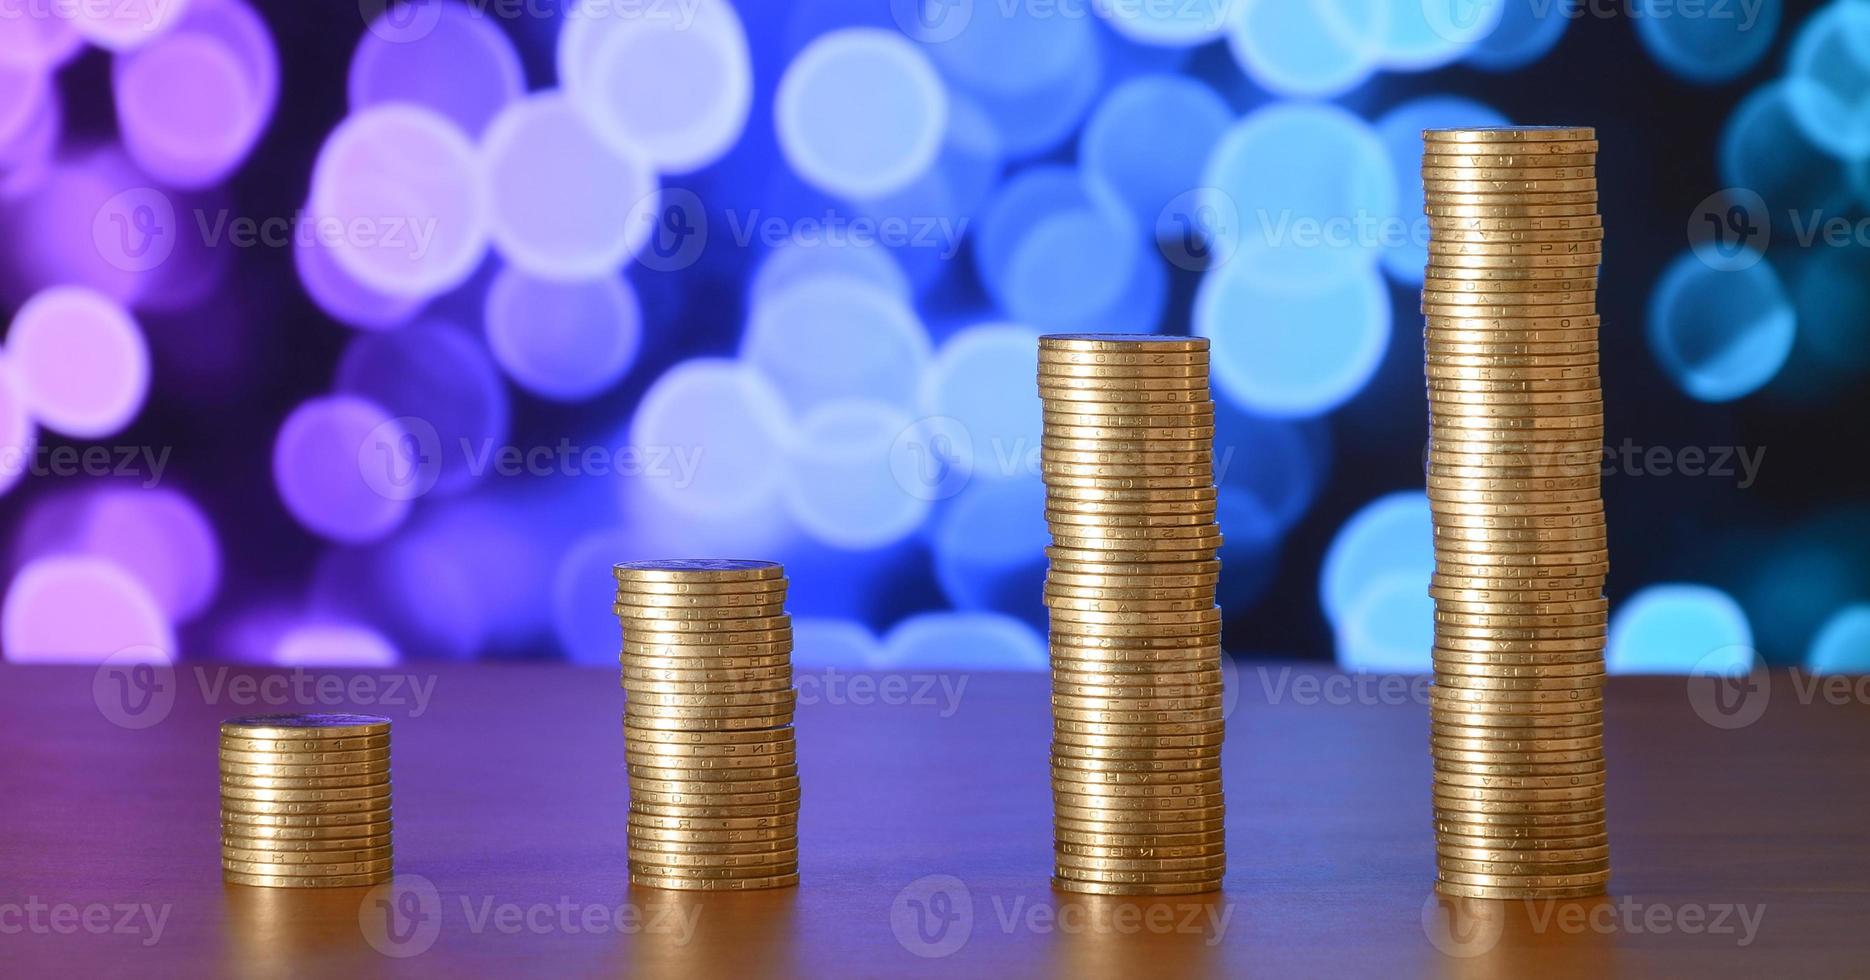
pixel 707 675
pixel 305 801
pixel 1515 449
pixel 1135 635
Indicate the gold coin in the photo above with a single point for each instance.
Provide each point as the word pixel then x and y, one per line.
pixel 1433 155
pixel 701 741
pixel 1130 434
pixel 1527 312
pixel 1541 135
pixel 1530 767
pixel 1144 463
pixel 713 699
pixel 649 617
pixel 1514 177
pixel 1065 753
pixel 334 868
pixel 379 791
pixel 1122 343
pixel 302 881
pixel 1139 717
pixel 1064 823
pixel 1176 535
pixel 1068 862
pixel 1129 598
pixel 1459 668
pixel 655 766
pixel 1579 263
pixel 679 822
pixel 699 658
pixel 1449 257
pixel 675 718
pixel 703 695
pixel 1129 734
pixel 1125 562
pixel 1193 411
pixel 719 884
pixel 230 743
pixel 1465 330
pixel 304 808
pixel 286 846
pixel 304 758
pixel 1466 698
pixel 1137 852
pixel 700 600
pixel 1479 194
pixel 1573 785
pixel 1509 210
pixel 653 838
pixel 1126 446
pixel 1532 228
pixel 702 675
pixel 1463 845
pixel 1496 296
pixel 1554 652
pixel 1070 873
pixel 1067 498
pixel 1582 821
pixel 1108 888
pixel 711 778
pixel 369 820
pixel 1508 762
pixel 306 832
pixel 1455 890
pixel 1182 764
pixel 288 771
pixel 1186 778
pixel 1169 512
pixel 333 856
pixel 1089 843
pixel 767 861
pixel 697 570
pixel 1205 600
pixel 305 726
pixel 1067 398
pixel 1060 581
pixel 1146 484
pixel 753 590
pixel 663 637
pixel 634 620
pixel 754 872
pixel 1050 369
pixel 1120 381
pixel 685 793
pixel 647 848
pixel 1068 736
pixel 1578 395
pixel 1500 739
pixel 693 811
pixel 1525 881
pixel 1205 614
pixel 1523 521
pixel 1136 706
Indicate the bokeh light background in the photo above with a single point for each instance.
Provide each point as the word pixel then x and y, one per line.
pixel 353 335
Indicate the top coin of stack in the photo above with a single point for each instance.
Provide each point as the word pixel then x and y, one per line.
pixel 305 800
pixel 1515 450
pixel 707 675
pixel 1135 635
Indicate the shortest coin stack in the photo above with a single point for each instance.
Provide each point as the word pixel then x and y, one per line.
pixel 707 675
pixel 305 801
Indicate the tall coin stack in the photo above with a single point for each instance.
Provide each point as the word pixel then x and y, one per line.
pixel 1128 458
pixel 305 801
pixel 707 724
pixel 1515 450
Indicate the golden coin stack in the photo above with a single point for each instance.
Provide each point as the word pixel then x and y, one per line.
pixel 305 801
pixel 1515 450
pixel 1128 459
pixel 707 724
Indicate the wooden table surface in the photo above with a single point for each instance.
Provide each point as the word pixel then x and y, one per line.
pixel 1738 851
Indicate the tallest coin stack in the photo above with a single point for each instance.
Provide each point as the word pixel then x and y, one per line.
pixel 1128 458
pixel 1515 451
